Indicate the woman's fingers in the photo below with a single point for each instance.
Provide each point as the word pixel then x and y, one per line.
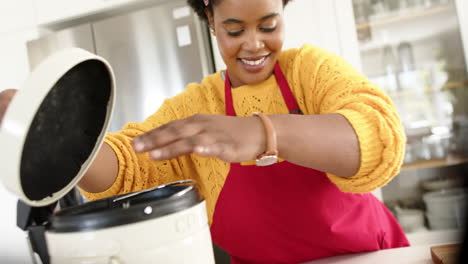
pixel 220 150
pixel 232 139
pixel 167 134
pixel 199 144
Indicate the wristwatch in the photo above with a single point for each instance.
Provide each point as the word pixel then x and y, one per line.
pixel 270 156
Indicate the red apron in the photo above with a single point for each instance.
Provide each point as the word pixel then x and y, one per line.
pixel 286 213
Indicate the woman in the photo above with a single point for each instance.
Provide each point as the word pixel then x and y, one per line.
pixel 337 135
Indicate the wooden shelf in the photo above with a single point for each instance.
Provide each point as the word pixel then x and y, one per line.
pixel 451 160
pixel 408 25
pixel 408 92
pixel 405 17
pixel 451 85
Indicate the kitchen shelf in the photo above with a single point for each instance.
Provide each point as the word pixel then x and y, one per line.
pixel 409 26
pixel 451 160
pixel 389 19
pixel 451 85
pixel 447 86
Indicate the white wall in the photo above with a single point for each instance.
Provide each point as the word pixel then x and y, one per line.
pixel 14 66
pixel 346 28
pixel 311 22
pixel 16 15
pixel 17 25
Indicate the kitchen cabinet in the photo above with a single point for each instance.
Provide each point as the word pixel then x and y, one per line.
pixel 415 51
pixel 50 12
pixel 80 36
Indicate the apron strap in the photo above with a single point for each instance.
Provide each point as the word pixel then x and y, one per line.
pixel 230 111
pixel 286 91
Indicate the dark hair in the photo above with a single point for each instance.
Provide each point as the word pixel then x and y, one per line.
pixel 199 6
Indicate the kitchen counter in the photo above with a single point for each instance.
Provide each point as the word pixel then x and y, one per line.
pixel 408 255
pixel 418 253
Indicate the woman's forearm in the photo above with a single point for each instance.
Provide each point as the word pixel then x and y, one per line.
pixel 323 142
pixel 102 173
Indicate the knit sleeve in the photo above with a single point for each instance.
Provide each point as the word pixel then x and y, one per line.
pixel 334 86
pixel 137 171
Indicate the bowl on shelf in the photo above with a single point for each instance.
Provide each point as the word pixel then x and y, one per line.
pixel 446 208
pixel 411 220
pixel 437 145
pixel 437 222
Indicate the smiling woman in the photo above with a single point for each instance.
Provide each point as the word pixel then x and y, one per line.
pixel 249 43
pixel 327 135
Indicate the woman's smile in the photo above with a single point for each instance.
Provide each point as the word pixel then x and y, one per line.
pixel 254 64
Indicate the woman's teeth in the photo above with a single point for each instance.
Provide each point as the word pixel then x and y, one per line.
pixel 253 63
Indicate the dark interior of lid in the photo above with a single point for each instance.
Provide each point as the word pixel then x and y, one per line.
pixel 65 129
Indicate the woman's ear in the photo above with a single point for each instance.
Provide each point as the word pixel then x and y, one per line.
pixel 210 17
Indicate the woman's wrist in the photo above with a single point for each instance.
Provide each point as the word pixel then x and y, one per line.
pixel 259 136
pixel 281 137
pixel 270 155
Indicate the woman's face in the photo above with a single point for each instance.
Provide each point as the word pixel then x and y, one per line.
pixel 250 37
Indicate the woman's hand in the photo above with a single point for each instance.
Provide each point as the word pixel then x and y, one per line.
pixel 232 139
pixel 5 99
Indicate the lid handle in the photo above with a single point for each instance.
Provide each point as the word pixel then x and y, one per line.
pixel 183 182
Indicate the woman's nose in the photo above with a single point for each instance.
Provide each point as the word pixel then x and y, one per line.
pixel 253 42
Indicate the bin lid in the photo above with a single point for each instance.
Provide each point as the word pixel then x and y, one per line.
pixel 128 208
pixel 55 125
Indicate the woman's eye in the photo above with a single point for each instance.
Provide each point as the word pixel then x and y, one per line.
pixel 235 33
pixel 267 29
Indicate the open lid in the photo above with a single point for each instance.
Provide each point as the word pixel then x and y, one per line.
pixel 55 126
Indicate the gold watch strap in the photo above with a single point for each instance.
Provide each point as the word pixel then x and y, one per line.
pixel 271 144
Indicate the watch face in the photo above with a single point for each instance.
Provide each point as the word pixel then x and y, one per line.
pixel 267 160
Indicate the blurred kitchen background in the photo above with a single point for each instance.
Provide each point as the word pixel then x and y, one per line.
pixel 414 49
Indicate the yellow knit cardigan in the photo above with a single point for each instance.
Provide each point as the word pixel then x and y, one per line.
pixel 321 82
